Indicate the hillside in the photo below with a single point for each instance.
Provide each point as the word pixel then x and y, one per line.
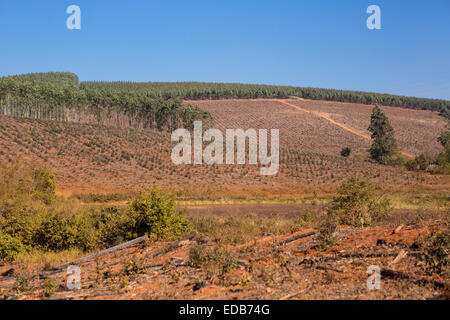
pixel 112 136
pixel 207 91
pixel 306 129
pixel 85 168
pixel 103 158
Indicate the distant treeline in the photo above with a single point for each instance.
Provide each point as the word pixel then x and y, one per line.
pixel 199 90
pixel 56 101
pixel 59 79
pixel 133 93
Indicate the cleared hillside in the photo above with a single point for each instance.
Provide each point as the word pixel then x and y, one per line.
pixel 99 158
pixel 307 129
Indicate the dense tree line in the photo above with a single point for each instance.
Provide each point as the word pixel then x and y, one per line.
pixel 203 90
pixel 199 90
pixel 59 79
pixel 42 100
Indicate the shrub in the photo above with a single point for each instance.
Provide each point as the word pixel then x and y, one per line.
pixel 224 258
pixel 198 255
pixel 55 233
pixel 419 163
pixel 45 185
pixel 444 139
pixel 357 204
pixel 133 267
pixel 22 284
pixel 86 235
pixel 110 223
pixel 49 288
pixel 20 225
pixel 437 250
pixel 219 256
pixel 345 152
pixel 154 213
pixel 327 232
pixel 10 247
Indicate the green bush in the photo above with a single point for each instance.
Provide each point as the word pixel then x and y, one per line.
pixel 327 232
pixel 224 259
pixel 437 252
pixel 133 267
pixel 20 225
pixel 10 247
pixel 420 163
pixel 45 185
pixel 439 165
pixel 86 235
pixel 358 205
pixel 49 288
pixel 345 152
pixel 198 256
pixel 154 213
pixel 30 217
pixel 110 223
pixel 55 233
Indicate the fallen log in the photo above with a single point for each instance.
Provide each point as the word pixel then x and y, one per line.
pixel 398 275
pixel 175 245
pixel 300 236
pixel 103 252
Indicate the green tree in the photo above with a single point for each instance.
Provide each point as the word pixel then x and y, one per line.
pixel 357 204
pixel 154 213
pixel 384 145
pixel 444 139
pixel 45 185
pixel 443 159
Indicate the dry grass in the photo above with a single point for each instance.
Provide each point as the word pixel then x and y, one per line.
pixel 225 266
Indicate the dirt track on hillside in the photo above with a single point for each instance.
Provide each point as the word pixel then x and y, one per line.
pixel 320 114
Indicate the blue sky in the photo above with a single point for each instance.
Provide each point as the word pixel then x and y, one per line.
pixel 315 43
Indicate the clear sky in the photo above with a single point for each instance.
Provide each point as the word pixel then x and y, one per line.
pixel 314 43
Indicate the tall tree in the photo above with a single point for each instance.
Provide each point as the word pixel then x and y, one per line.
pixel 384 145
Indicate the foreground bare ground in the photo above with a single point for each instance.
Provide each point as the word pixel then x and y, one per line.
pixel 266 269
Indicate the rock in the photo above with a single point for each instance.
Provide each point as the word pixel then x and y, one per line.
pixel 199 285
